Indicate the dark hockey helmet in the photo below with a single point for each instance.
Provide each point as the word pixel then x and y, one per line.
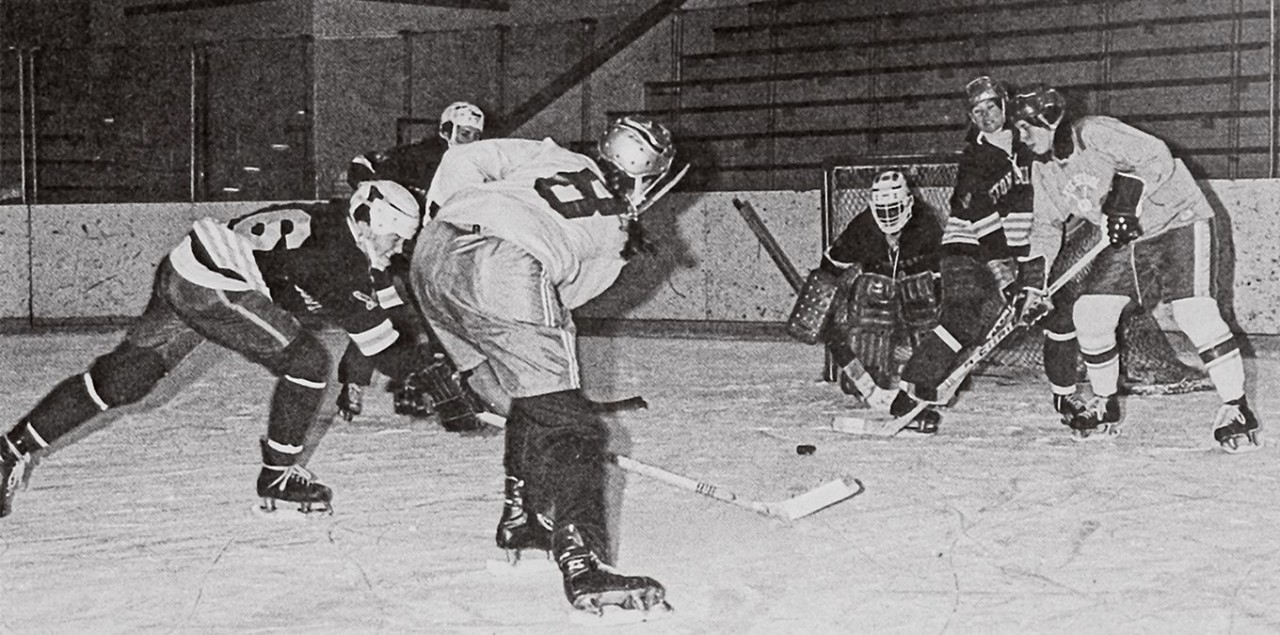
pixel 461 122
pixel 635 152
pixel 891 201
pixel 1038 105
pixel 983 88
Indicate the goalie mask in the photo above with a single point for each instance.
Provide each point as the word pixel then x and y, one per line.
pixel 461 122
pixel 891 201
pixel 635 152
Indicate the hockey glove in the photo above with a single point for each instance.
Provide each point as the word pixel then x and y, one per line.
pixel 1032 302
pixel 1121 209
pixel 1005 271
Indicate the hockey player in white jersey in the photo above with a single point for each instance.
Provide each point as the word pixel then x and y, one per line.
pixel 1127 182
pixel 527 231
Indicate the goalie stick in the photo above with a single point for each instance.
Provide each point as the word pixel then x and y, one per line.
pixel 1005 325
pixel 799 506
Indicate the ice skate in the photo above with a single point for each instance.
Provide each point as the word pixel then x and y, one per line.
pixel 1069 406
pixel 15 470
pixel 592 586
pixel 1235 427
pixel 350 400
pixel 925 423
pixel 520 531
pixel 283 480
pixel 1099 419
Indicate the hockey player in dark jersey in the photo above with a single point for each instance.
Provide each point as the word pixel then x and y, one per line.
pixel 529 231
pixel 885 267
pixel 228 283
pixel 412 165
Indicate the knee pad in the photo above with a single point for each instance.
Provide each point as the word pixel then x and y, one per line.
pixel 1096 318
pixel 304 359
pixel 1201 320
pixel 126 374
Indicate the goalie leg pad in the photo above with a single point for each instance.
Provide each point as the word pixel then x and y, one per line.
pixel 813 307
pixel 874 316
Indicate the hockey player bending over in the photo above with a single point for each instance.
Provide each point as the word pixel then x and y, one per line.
pixel 412 165
pixel 1158 221
pixel 527 232
pixel 227 282
pixel 884 267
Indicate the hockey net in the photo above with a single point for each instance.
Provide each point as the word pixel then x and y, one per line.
pixel 1147 356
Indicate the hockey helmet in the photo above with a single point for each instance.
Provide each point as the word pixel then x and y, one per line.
pixel 388 208
pixel 983 88
pixel 891 201
pixel 461 122
pixel 634 150
pixel 1038 105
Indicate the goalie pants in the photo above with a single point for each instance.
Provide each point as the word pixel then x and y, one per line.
pixel 179 316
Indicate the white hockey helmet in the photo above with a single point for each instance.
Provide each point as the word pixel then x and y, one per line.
pixel 891 201
pixel 388 208
pixel 457 118
pixel 1038 105
pixel 635 152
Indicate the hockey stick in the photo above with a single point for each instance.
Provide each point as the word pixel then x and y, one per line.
pixel 1005 325
pixel 818 498
pixel 854 367
pixel 770 244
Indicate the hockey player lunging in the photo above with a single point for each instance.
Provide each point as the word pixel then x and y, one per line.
pixel 229 283
pixel 1158 221
pixel 412 165
pixel 884 265
pixel 527 232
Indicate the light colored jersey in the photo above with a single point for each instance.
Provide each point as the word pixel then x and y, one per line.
pixel 1104 146
pixel 549 201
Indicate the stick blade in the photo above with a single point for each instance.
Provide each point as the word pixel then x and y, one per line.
pixel 819 498
pixel 871 427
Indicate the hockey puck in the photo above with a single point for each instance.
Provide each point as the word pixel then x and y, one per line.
pixel 805 449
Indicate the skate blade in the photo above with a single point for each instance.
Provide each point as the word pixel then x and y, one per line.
pixel 525 566
pixel 617 616
pixel 1105 432
pixel 291 512
pixel 1242 444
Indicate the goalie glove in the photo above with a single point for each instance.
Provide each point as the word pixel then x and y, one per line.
pixel 1032 301
pixel 1121 209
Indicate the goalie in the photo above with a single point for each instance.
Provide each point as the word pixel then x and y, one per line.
pixel 876 289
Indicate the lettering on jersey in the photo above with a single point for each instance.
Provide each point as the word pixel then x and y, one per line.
pixel 1082 188
pixel 579 195
pixel 369 301
pixel 267 230
pixel 1017 175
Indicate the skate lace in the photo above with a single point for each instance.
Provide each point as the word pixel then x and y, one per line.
pixel 292 473
pixel 16 471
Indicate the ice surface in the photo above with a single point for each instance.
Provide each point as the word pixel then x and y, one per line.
pixel 998 524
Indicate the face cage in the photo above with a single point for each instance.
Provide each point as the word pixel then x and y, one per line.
pixel 892 217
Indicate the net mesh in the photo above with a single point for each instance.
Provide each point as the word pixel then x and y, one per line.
pixel 1146 356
